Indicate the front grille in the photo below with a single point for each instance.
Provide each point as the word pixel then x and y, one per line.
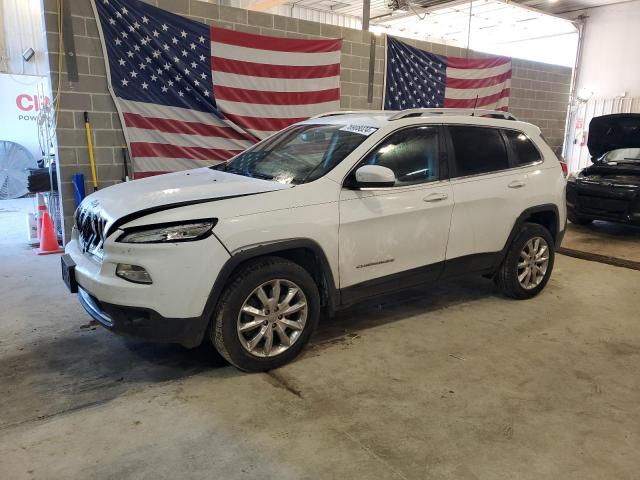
pixel 91 226
pixel 598 205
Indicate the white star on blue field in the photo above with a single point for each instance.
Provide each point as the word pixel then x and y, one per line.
pixel 415 78
pixel 156 56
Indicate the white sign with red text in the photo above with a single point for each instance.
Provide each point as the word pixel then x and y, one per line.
pixel 21 98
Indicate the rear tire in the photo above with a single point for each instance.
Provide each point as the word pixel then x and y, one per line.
pixel 533 250
pixel 268 303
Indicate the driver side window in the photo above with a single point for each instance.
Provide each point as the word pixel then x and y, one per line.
pixel 412 154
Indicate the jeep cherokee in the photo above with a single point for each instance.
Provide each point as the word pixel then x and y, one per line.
pixel 323 214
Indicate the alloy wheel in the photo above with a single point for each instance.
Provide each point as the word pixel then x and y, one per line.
pixel 272 318
pixel 533 263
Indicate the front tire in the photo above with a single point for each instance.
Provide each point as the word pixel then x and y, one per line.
pixel 266 314
pixel 528 264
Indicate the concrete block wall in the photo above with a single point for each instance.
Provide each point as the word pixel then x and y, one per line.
pixel 539 92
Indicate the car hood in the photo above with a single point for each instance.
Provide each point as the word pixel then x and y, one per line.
pixel 126 201
pixel 610 132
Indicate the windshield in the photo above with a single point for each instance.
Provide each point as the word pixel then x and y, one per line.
pixel 623 155
pixel 299 154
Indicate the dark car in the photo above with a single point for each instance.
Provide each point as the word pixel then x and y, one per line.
pixel 610 188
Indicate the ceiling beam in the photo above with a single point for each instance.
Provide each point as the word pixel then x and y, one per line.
pixel 393 15
pixel 264 5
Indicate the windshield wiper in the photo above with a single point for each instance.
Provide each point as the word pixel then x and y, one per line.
pixel 262 176
pixel 244 173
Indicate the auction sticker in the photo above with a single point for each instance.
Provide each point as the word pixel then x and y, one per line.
pixel 361 129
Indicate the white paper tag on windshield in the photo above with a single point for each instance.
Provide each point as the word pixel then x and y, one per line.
pixel 361 129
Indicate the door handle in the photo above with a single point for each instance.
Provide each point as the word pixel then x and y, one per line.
pixel 517 184
pixel 435 197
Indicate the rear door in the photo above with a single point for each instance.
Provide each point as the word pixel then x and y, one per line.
pixel 398 234
pixel 490 192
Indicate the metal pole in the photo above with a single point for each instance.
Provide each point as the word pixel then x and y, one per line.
pixel 372 67
pixel 567 144
pixel 469 26
pixel 69 43
pixel 366 12
pixel 582 26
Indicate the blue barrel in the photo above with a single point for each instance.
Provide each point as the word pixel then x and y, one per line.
pixel 78 187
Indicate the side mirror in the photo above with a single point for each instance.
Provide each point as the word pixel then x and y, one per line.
pixel 374 176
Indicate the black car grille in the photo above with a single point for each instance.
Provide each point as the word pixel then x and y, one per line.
pixel 91 230
pixel 612 206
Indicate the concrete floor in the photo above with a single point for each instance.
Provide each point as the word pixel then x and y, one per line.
pixel 451 381
pixel 605 238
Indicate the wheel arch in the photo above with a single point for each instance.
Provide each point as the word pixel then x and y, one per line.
pixel 302 251
pixel 548 218
pixel 546 215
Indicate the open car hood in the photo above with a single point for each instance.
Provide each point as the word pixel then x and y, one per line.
pixel 610 132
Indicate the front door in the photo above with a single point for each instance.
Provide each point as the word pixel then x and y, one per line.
pixel 396 236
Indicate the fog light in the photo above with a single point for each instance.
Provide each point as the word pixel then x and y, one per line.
pixel 133 273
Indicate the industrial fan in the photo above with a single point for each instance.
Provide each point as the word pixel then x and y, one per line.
pixel 14 162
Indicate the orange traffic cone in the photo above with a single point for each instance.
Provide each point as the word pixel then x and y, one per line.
pixel 41 209
pixel 48 240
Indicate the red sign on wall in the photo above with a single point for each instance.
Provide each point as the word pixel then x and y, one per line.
pixel 22 98
pixel 29 103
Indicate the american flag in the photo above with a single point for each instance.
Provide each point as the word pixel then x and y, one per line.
pixel 192 95
pixel 419 79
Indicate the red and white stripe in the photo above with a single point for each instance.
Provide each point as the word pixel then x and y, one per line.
pixel 264 84
pixel 481 83
pixel 166 139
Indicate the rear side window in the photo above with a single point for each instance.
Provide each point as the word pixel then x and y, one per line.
pixel 478 150
pixel 524 149
pixel 411 153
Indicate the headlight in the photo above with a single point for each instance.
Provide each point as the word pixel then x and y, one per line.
pixel 571 178
pixel 169 232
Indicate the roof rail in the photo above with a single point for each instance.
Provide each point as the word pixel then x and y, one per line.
pixel 471 112
pixel 345 112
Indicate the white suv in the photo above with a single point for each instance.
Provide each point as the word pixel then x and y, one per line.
pixel 325 213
